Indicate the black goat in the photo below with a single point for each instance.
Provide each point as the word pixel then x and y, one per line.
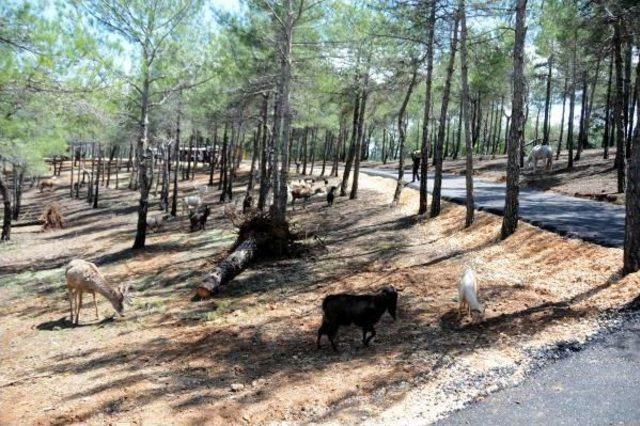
pixel 247 203
pixel 363 311
pixel 199 218
pixel 331 195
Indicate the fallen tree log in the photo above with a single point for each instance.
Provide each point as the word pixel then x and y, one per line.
pixel 235 263
pixel 259 236
pixel 28 223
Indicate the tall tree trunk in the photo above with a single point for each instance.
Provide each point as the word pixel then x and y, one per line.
pixel 145 171
pixel 111 155
pixel 212 155
pixel 283 115
pixel 95 195
pixel 424 161
pixel 264 153
pixel 632 212
pixel 437 183
pixel 572 102
pixel 459 132
pixel 325 152
pixel 352 146
pixel 547 104
pixel 564 102
pixel 402 134
pixel 6 221
pixel 254 157
pixel 224 167
pixel 465 106
pixel 189 158
pixel 583 117
pixel 626 85
pixel 607 118
pixel 73 158
pixel 510 219
pixel 174 200
pixel 359 139
pixel 618 107
pixel 636 94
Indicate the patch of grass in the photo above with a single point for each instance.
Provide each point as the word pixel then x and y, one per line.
pixel 149 306
pixel 223 307
pixel 45 281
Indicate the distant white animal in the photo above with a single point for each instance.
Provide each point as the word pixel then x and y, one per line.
pixel 191 203
pixel 84 277
pixel 155 223
pixel 540 152
pixel 468 296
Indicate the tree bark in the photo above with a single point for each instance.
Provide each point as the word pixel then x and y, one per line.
pixel 402 134
pixel 96 191
pixel 424 161
pixel 144 158
pixel 359 139
pixel 510 219
pixel 212 155
pixel 233 265
pixel 465 106
pixel 618 108
pixel 572 104
pixel 352 147
pixel 6 200
pixel 174 200
pixel 564 102
pixel 583 117
pixel 632 215
pixel 547 104
pixel 437 183
pixel 264 154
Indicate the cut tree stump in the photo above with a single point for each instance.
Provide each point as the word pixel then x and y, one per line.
pixel 233 265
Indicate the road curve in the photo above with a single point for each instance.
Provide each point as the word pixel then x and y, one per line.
pixel 593 221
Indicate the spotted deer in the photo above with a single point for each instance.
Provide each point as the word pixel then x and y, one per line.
pixel 84 277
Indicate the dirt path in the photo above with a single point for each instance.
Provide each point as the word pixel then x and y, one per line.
pixel 593 221
pixel 249 356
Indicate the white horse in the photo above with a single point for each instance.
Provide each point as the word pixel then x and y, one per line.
pixel 540 152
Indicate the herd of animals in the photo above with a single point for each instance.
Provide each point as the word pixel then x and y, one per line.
pixel 342 309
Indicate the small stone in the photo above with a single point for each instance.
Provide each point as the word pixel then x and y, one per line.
pixel 237 387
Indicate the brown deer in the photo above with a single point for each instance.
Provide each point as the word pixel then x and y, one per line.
pixel 84 277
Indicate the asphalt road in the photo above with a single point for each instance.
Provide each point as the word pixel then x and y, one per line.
pixel 593 221
pixel 597 386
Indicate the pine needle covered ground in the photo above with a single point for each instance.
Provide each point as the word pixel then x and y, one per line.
pixel 248 355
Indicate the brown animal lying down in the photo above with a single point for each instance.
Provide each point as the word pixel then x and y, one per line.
pixel 47 183
pixel 303 191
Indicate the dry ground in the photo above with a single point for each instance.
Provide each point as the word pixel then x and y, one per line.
pixel 592 177
pixel 170 360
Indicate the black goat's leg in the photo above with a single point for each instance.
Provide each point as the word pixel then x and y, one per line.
pixel 373 333
pixel 365 342
pixel 321 331
pixel 332 335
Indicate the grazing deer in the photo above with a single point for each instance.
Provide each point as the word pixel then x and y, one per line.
pixel 83 276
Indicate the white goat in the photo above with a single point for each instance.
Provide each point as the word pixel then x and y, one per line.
pixel 83 276
pixel 540 152
pixel 155 223
pixel 468 296
pixel 192 202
